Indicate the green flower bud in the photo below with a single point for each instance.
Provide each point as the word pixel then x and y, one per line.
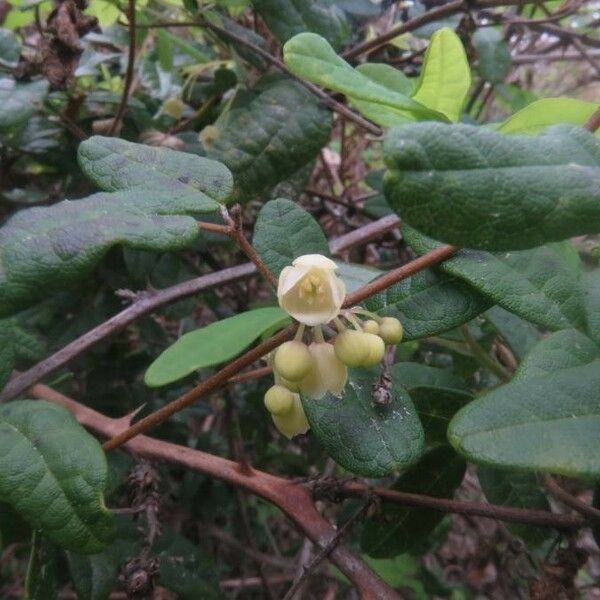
pixel 293 361
pixel 350 348
pixel 390 330
pixel 293 422
pixel 371 326
pixel 279 400
pixel 376 350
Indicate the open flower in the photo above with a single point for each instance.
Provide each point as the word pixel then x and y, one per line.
pixel 310 291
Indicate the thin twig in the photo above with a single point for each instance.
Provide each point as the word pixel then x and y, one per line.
pixel 114 127
pixel 560 494
pixel 593 123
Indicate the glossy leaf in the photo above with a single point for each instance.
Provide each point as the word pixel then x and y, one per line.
pixel 286 18
pixel 310 57
pixel 445 76
pixel 429 303
pixel 539 115
pixel 264 143
pixel 546 419
pixel 19 101
pixel 212 345
pixel 365 438
pixel 55 489
pixel 401 529
pixel 284 231
pixel 542 285
pixel 477 188
pixel 117 165
pixel 494 54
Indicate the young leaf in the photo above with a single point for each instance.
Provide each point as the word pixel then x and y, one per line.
pixel 400 529
pixel 269 140
pixel 363 437
pixel 45 249
pixel 475 187
pixel 429 303
pixel 19 101
pixel 212 345
pixel 284 231
pixel 117 165
pixel 445 76
pixel 494 54
pixel 311 57
pixel 286 18
pixel 54 475
pixel 547 422
pixel 542 285
pixel 539 115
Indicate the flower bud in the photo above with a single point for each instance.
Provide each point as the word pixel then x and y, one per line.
pixel 371 326
pixel 328 375
pixel 350 348
pixel 294 421
pixel 390 330
pixel 173 107
pixel 376 350
pixel 293 360
pixel 279 400
pixel 293 386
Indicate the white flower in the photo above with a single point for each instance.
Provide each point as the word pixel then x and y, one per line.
pixel 310 291
pixel 328 375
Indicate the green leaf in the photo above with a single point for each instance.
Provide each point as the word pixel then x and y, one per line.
pixel 494 55
pixel 401 529
pixel 388 76
pixel 279 132
pixel 54 475
pixel 10 49
pixel 45 249
pixel 546 419
pixel 520 335
pixel 539 115
pixel 474 187
pixel 356 276
pixel 286 18
pixel 542 285
pixel 19 101
pixel 310 57
pixel 212 345
pixel 363 437
pixel 41 582
pixel 591 298
pixel 117 165
pixel 521 490
pixel 16 342
pixel 284 231
pixel 445 76
pixel 429 303
pixel 436 393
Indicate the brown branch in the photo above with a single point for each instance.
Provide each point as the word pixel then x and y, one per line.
pixel 446 10
pixel 114 127
pixel 253 374
pixel 560 494
pixel 593 123
pixel 148 302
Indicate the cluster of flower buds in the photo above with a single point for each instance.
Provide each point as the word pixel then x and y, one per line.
pixel 313 294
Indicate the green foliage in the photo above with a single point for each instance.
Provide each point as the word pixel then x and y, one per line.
pixel 41 582
pixel 400 529
pixel 279 132
pixel 10 49
pixel 62 493
pixel 19 101
pixel 494 54
pixel 481 189
pixel 212 345
pixel 364 437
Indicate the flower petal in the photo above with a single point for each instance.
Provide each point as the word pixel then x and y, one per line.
pixel 315 260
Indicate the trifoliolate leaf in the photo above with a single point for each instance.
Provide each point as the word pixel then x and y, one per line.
pixel 366 438
pixel 213 344
pixel 117 165
pixel 54 474
pixel 429 303
pixel 436 393
pixel 546 419
pixel 45 249
pixel 284 231
pixel 286 18
pixel 445 76
pixel 494 54
pixel 19 101
pixel 269 140
pixel 398 529
pixel 311 57
pixel 541 285
pixel 539 115
pixel 474 187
